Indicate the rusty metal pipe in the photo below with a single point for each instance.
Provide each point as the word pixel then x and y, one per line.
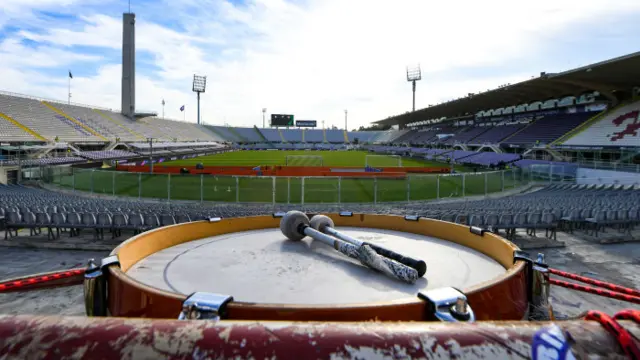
pixel 38 337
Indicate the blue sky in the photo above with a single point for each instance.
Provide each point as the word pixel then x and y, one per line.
pixel 312 58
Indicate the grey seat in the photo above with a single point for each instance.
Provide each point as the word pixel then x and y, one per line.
pixel 533 222
pixel 43 220
pixel 151 221
pixel 58 221
pixel 104 221
pixel 136 223
pixel 13 224
pixel 119 223
pixel 183 218
pixel 167 219
pixel 74 221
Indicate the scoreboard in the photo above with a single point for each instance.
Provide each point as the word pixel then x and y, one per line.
pixel 282 120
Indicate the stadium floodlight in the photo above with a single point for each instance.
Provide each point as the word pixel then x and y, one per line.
pixel 414 74
pixel 199 86
pixel 264 111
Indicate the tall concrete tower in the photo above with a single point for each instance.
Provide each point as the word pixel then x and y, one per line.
pixel 129 64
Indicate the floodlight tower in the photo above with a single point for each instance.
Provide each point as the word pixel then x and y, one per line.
pixel 264 111
pixel 199 86
pixel 414 74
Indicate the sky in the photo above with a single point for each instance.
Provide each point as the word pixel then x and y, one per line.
pixel 311 58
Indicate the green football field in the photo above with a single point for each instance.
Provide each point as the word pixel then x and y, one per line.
pixel 289 190
pixel 303 158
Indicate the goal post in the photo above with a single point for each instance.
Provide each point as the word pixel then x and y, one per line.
pixel 303 160
pixel 383 161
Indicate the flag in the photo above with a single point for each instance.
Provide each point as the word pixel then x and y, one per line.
pixel 182 108
pixel 70 76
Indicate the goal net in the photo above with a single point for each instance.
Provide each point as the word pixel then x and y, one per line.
pixel 383 161
pixel 303 160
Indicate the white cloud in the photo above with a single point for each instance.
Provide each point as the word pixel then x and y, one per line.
pixel 312 59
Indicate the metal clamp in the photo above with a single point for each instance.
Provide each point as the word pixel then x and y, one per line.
pixel 538 291
pixel 448 304
pixel 205 306
pixel 95 285
pixel 412 217
pixel 345 213
pixel 477 230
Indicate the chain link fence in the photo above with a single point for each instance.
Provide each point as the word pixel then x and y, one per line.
pixel 288 190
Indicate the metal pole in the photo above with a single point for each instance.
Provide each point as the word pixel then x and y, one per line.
pixel 375 190
pixel 437 187
pixel 485 184
pixel 273 189
pixel 237 189
pixel 113 183
pixel 502 181
pixel 339 188
pixel 408 189
pixel 463 184
pixel 302 193
pixel 150 140
pixel 139 185
pixel 201 187
pixel 288 190
pixel 92 171
pixel 414 95
pixel 73 179
pixel 169 186
pixel 198 107
pixel 345 121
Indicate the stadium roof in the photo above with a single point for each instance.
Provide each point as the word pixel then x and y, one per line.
pixel 606 77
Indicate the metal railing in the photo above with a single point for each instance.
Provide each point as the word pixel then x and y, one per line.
pixel 285 190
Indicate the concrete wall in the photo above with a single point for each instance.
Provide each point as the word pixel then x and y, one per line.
pixel 3 173
pixel 128 64
pixel 607 177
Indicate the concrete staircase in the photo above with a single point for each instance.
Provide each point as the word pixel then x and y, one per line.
pixel 24 128
pixel 585 125
pixel 107 117
pixel 59 112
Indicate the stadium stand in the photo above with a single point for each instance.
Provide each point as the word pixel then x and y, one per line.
pixel 10 131
pixel 571 207
pixel 272 135
pixel 465 135
pixel 292 135
pixel 249 134
pixel 490 158
pixel 313 136
pixel 547 129
pixel 495 134
pixel 107 154
pixel 335 136
pixel 619 127
pixel 34 115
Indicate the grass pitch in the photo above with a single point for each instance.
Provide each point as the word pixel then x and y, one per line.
pixel 288 190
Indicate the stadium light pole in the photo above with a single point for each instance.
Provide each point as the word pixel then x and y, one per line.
pixel 163 109
pixel 199 86
pixel 150 141
pixel 345 120
pixel 264 112
pixel 414 74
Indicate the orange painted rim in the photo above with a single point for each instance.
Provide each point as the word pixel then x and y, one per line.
pixel 502 298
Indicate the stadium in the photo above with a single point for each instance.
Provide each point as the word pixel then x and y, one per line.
pixel 490 172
